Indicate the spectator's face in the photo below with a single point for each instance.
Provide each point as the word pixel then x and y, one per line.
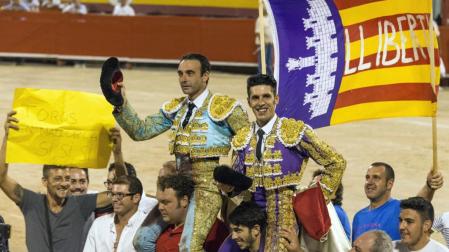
pixel 122 201
pixel 190 78
pixel 78 181
pixel 412 228
pixel 263 103
pixel 245 237
pixel 58 182
pixel 364 243
pixel 376 185
pixel 173 210
pixel 109 180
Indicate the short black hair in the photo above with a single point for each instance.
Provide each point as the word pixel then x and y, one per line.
pixel 261 79
pixel 46 169
pixel 182 185
pixel 129 169
pixel 420 205
pixel 389 172
pixel 205 65
pixel 134 184
pixel 248 214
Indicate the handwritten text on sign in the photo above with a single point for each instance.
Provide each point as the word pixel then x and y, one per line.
pixel 60 127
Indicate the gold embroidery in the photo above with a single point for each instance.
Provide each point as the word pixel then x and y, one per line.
pixel 290 131
pixel 195 139
pixel 197 126
pixel 221 106
pixel 173 105
pixel 209 152
pixel 240 140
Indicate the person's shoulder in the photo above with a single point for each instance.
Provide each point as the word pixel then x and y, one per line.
pixel 221 106
pixel 361 212
pixel 290 131
pixel 435 246
pixel 173 106
pixel 104 219
pixel 242 138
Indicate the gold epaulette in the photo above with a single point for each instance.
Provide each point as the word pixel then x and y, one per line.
pixel 173 105
pixel 221 106
pixel 242 138
pixel 290 131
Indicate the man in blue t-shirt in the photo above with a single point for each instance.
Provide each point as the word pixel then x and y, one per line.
pixel 383 211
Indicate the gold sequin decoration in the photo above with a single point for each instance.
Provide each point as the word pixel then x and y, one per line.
pixel 290 131
pixel 221 106
pixel 171 106
pixel 240 140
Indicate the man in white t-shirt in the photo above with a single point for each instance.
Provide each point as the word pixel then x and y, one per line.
pixel 415 224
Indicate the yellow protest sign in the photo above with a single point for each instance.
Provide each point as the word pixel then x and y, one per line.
pixel 60 127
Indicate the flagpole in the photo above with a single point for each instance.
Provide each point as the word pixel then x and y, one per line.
pixel 262 62
pixel 433 82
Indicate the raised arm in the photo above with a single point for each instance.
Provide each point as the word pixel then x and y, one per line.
pixel 103 200
pixel 323 154
pixel 9 186
pixel 119 162
pixel 434 181
pixel 138 129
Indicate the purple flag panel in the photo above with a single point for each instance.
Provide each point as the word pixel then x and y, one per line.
pixel 309 52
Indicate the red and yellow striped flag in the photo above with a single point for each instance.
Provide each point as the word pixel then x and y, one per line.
pixel 360 59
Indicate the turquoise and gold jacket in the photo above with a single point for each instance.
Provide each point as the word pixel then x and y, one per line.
pixel 208 133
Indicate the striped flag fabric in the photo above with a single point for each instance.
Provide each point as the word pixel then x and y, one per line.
pixel 339 61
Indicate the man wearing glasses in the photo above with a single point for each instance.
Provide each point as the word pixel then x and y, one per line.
pixel 115 231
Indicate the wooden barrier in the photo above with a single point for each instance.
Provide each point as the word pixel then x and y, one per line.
pixel 140 38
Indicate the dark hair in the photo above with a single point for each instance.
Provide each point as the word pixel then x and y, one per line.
pixel 389 172
pixel 181 184
pixel 134 184
pixel 248 214
pixel 86 171
pixel 261 79
pixel 205 65
pixel 46 169
pixel 338 200
pixel 420 205
pixel 382 242
pixel 129 169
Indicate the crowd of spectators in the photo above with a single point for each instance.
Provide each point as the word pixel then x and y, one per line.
pixel 120 7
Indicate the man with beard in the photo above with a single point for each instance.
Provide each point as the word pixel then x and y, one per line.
pixel 115 231
pixel 415 224
pixel 383 211
pixel 54 221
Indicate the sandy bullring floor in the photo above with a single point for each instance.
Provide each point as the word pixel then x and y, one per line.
pixel 405 143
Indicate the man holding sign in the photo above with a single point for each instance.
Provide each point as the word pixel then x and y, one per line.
pixel 54 221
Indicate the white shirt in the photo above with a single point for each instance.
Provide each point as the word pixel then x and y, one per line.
pixel 268 33
pixel 102 234
pixel 126 10
pixel 441 224
pixel 267 128
pixel 146 204
pixel 432 246
pixel 198 103
pixel 72 8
